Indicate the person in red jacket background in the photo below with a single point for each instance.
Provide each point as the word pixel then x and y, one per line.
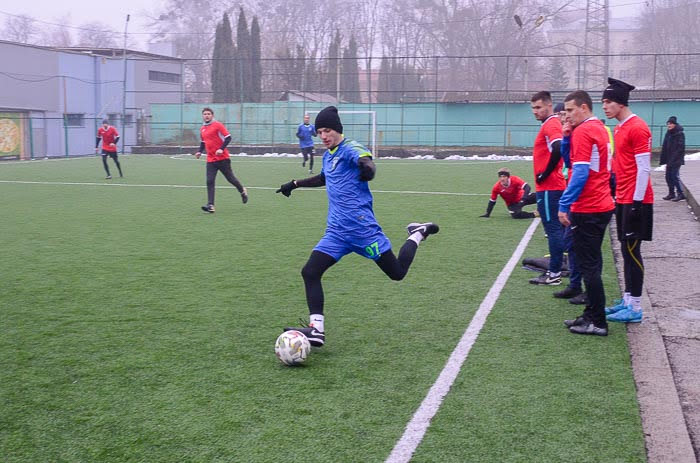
pixel 109 137
pixel 215 138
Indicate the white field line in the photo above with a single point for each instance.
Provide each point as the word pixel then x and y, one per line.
pixel 142 185
pixel 417 427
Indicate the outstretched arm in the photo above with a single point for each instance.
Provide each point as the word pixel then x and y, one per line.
pixel 310 182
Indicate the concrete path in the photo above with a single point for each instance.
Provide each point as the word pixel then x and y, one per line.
pixel 665 347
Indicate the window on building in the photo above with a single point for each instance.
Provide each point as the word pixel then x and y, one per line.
pixel 115 119
pixel 75 120
pixel 160 76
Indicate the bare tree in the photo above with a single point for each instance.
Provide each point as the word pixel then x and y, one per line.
pixel 98 35
pixel 57 34
pixel 21 28
pixel 669 28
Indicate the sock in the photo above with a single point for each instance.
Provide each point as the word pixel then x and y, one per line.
pixel 552 274
pixel 626 298
pixel 317 321
pixel 417 237
pixel 636 303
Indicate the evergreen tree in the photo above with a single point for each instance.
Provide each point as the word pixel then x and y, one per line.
pixel 255 62
pixel 300 68
pixel 556 75
pixel 243 75
pixel 216 63
pixel 350 80
pixel 332 69
pixel 227 67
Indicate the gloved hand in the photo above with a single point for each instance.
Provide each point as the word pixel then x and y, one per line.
pixel 633 223
pixel 286 189
pixel 367 169
pixel 540 177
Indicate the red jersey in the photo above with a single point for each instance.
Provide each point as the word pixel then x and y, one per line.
pixel 632 138
pixel 213 135
pixel 108 136
pixel 510 194
pixel 590 145
pixel 542 149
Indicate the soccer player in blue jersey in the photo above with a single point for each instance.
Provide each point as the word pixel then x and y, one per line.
pixel 304 133
pixel 351 225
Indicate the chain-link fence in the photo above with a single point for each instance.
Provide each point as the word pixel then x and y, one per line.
pixel 403 104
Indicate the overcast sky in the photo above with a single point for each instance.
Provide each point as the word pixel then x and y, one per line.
pixel 114 13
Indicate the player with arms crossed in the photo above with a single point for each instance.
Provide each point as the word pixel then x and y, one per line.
pixel 515 192
pixel 109 137
pixel 634 213
pixel 215 138
pixel 587 206
pixel 351 225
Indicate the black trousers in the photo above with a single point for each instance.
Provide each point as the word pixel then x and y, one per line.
pixel 308 154
pixel 224 166
pixel 113 155
pixel 516 209
pixel 588 231
pixel 319 262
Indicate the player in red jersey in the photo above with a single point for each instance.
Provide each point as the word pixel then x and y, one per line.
pixel 215 138
pixel 634 213
pixel 549 183
pixel 109 137
pixel 516 194
pixel 587 206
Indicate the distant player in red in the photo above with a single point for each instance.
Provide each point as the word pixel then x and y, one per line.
pixel 587 206
pixel 549 183
pixel 109 137
pixel 635 199
pixel 215 138
pixel 516 194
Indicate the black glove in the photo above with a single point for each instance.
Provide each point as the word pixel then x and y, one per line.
pixel 540 178
pixel 633 223
pixel 485 215
pixel 287 188
pixel 367 169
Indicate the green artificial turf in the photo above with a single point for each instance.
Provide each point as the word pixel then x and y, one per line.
pixel 137 328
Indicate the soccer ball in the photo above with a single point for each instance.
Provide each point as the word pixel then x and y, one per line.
pixel 292 347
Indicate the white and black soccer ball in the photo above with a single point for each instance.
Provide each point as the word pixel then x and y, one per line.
pixel 292 347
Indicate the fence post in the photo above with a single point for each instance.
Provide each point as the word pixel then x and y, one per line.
pixel 505 106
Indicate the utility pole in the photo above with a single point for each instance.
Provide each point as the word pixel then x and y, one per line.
pixel 123 132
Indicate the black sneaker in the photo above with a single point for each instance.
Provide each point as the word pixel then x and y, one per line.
pixel 588 328
pixel 567 293
pixel 546 279
pixel 668 197
pixel 425 229
pixel 209 208
pixel 581 299
pixel 576 321
pixel 244 195
pixel 680 197
pixel 315 337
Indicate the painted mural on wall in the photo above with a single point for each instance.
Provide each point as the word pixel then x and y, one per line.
pixel 11 135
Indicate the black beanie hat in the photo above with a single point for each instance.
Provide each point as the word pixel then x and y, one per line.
pixel 328 119
pixel 672 120
pixel 618 91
